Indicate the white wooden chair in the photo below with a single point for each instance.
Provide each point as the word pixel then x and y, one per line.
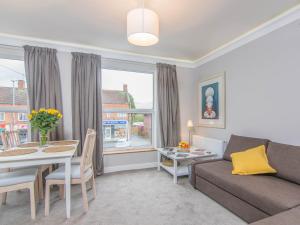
pixel 17 180
pixel 5 140
pixel 80 173
pixel 11 139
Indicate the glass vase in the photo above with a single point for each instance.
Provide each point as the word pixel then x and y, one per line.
pixel 43 138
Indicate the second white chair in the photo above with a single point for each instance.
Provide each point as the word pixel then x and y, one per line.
pixel 80 173
pixel 11 139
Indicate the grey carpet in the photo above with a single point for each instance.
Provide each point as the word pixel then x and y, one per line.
pixel 144 197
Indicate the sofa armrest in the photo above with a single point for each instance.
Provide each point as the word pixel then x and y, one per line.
pixel 193 165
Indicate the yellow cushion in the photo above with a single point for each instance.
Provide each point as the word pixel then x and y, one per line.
pixel 251 161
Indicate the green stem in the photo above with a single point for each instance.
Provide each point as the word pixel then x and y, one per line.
pixel 43 137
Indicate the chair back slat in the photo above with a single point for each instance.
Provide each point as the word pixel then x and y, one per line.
pixel 86 161
pixel 4 140
pixel 10 139
pixel 14 138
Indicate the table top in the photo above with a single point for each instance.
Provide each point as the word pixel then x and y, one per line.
pixel 40 154
pixel 174 153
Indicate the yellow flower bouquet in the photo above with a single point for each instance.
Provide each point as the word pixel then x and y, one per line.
pixel 44 120
pixel 183 146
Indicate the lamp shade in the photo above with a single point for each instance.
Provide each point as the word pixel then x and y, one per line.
pixel 190 123
pixel 142 27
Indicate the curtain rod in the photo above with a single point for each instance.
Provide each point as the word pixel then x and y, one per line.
pixel 103 57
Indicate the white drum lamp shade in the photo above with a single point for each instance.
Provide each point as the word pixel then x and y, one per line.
pixel 142 27
pixel 190 123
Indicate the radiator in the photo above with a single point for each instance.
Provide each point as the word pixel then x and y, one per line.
pixel 210 144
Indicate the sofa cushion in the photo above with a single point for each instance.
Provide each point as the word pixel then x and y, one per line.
pixel 240 143
pixel 290 217
pixel 251 161
pixel 268 193
pixel 285 159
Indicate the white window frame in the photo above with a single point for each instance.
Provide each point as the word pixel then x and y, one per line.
pixel 3 117
pixel 121 65
pixel 19 114
pixel 14 53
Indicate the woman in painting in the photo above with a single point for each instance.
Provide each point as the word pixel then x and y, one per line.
pixel 209 112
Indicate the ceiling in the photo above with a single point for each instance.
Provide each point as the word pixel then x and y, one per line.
pixel 189 29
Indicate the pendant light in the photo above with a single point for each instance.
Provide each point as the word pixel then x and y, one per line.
pixel 142 27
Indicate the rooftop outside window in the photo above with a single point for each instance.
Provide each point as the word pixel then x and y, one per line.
pixel 127 104
pixel 13 98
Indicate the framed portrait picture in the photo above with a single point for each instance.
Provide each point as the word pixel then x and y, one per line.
pixel 212 102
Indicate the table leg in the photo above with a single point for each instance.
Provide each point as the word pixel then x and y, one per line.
pixel 68 186
pixel 175 171
pixel 158 160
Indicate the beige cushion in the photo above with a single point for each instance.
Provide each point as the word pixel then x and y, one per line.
pixel 59 174
pixel 18 177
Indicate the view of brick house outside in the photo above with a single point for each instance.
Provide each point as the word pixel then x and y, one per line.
pixel 127 101
pixel 13 98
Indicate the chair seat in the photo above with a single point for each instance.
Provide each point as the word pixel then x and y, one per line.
pixel 18 177
pixel 59 174
pixel 76 160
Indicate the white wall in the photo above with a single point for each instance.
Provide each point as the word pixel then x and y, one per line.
pixel 65 61
pixel 186 82
pixel 263 88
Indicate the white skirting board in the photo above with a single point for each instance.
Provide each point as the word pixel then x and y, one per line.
pixel 139 166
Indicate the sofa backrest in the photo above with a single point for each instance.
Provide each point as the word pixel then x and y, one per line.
pixel 240 143
pixel 285 159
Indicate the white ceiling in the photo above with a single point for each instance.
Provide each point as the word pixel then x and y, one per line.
pixel 189 29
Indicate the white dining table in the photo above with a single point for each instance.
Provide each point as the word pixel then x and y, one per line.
pixel 42 158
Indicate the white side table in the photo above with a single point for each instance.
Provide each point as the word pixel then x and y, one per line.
pixel 182 170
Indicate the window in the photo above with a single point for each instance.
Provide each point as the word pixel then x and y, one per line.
pixel 2 116
pixel 122 115
pixel 13 98
pixel 22 117
pixel 127 99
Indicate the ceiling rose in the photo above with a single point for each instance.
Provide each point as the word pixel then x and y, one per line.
pixel 142 27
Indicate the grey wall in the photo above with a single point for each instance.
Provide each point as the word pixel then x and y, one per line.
pixel 262 88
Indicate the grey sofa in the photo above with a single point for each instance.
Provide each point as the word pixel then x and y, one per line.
pixel 262 199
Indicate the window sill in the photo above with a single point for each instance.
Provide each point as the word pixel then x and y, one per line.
pixel 129 150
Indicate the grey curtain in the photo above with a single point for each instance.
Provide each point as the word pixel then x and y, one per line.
pixel 168 105
pixel 43 84
pixel 87 103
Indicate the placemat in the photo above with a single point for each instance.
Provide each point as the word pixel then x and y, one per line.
pixel 16 152
pixel 29 145
pixel 70 142
pixel 58 149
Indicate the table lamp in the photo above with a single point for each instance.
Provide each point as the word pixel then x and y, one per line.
pixel 190 126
